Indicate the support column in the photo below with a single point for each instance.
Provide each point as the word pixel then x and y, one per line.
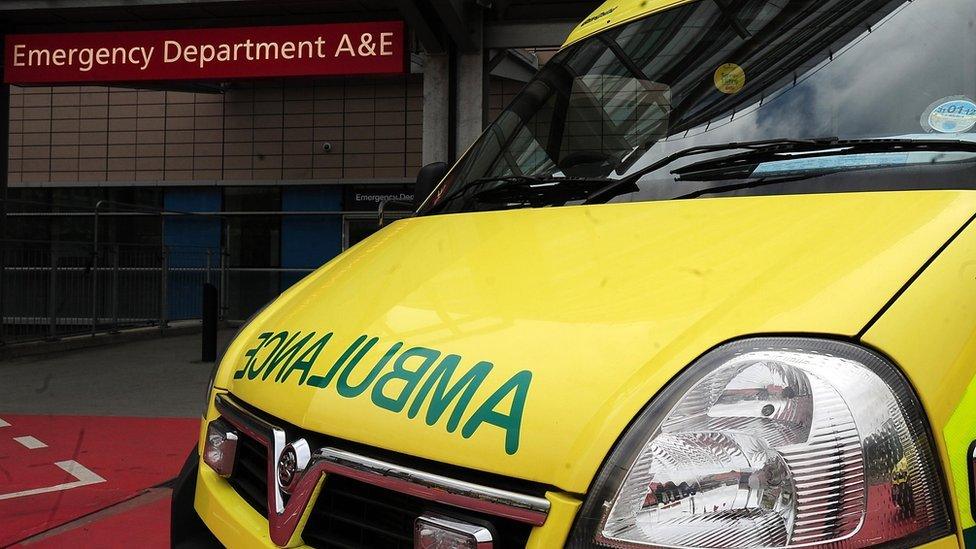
pixel 470 99
pixel 471 85
pixel 437 108
pixel 455 87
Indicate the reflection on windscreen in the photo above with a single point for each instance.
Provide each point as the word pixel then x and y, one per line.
pixel 695 75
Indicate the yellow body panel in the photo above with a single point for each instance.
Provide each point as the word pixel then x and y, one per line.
pixel 930 332
pixel 617 12
pixel 944 543
pixel 230 518
pixel 602 304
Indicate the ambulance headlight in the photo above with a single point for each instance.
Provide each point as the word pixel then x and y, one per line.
pixel 773 443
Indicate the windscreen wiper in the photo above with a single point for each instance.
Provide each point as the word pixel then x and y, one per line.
pixel 536 183
pixel 743 165
pixel 750 184
pixel 629 183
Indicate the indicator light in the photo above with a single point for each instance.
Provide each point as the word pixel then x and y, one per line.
pixel 221 447
pixel 440 532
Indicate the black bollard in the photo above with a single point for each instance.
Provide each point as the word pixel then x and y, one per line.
pixel 209 347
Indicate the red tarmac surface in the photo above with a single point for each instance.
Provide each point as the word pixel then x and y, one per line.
pixel 144 526
pixel 100 462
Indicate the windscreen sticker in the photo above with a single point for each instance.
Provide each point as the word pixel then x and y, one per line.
pixel 400 380
pixel 730 78
pixel 950 115
pixel 820 163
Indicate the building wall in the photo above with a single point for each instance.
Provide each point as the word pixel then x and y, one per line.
pixel 265 131
pixel 501 91
pixel 262 142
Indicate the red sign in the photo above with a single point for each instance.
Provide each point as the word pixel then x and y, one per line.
pixel 207 54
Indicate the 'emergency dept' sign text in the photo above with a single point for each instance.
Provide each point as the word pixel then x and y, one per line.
pixel 207 54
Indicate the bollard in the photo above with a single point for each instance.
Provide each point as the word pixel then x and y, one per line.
pixel 163 283
pixel 52 299
pixel 115 289
pixel 209 314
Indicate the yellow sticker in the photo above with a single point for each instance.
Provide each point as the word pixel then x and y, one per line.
pixel 730 78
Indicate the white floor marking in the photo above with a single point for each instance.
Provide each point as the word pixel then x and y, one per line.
pixel 84 475
pixel 30 442
pixel 4 423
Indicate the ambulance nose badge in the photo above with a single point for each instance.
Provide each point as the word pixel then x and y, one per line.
pixel 292 462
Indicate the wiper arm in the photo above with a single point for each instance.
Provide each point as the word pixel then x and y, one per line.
pixel 468 185
pixel 533 182
pixel 751 184
pixel 628 183
pixel 742 165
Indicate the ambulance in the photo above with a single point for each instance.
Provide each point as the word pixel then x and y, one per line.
pixel 709 281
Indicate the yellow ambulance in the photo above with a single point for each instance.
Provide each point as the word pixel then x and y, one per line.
pixel 709 281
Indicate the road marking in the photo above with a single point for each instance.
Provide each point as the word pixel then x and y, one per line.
pixel 4 423
pixel 30 442
pixel 84 475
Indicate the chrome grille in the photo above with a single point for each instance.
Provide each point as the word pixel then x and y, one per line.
pixel 250 476
pixel 364 501
pixel 355 515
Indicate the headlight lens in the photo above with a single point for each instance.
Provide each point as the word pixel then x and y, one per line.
pixel 772 443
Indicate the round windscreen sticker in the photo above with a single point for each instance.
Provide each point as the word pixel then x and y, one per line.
pixel 730 78
pixel 950 115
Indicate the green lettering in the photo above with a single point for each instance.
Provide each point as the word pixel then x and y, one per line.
pixel 285 355
pixel 250 355
pixel 409 377
pixel 271 361
pixel 442 396
pixel 349 391
pixel 511 422
pixel 253 372
pixel 323 381
pixel 306 360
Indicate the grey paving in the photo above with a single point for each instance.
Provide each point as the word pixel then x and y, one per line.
pixel 160 377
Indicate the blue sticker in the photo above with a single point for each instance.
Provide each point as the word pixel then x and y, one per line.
pixel 820 163
pixel 950 115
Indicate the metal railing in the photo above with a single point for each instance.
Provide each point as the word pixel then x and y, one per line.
pixel 53 290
